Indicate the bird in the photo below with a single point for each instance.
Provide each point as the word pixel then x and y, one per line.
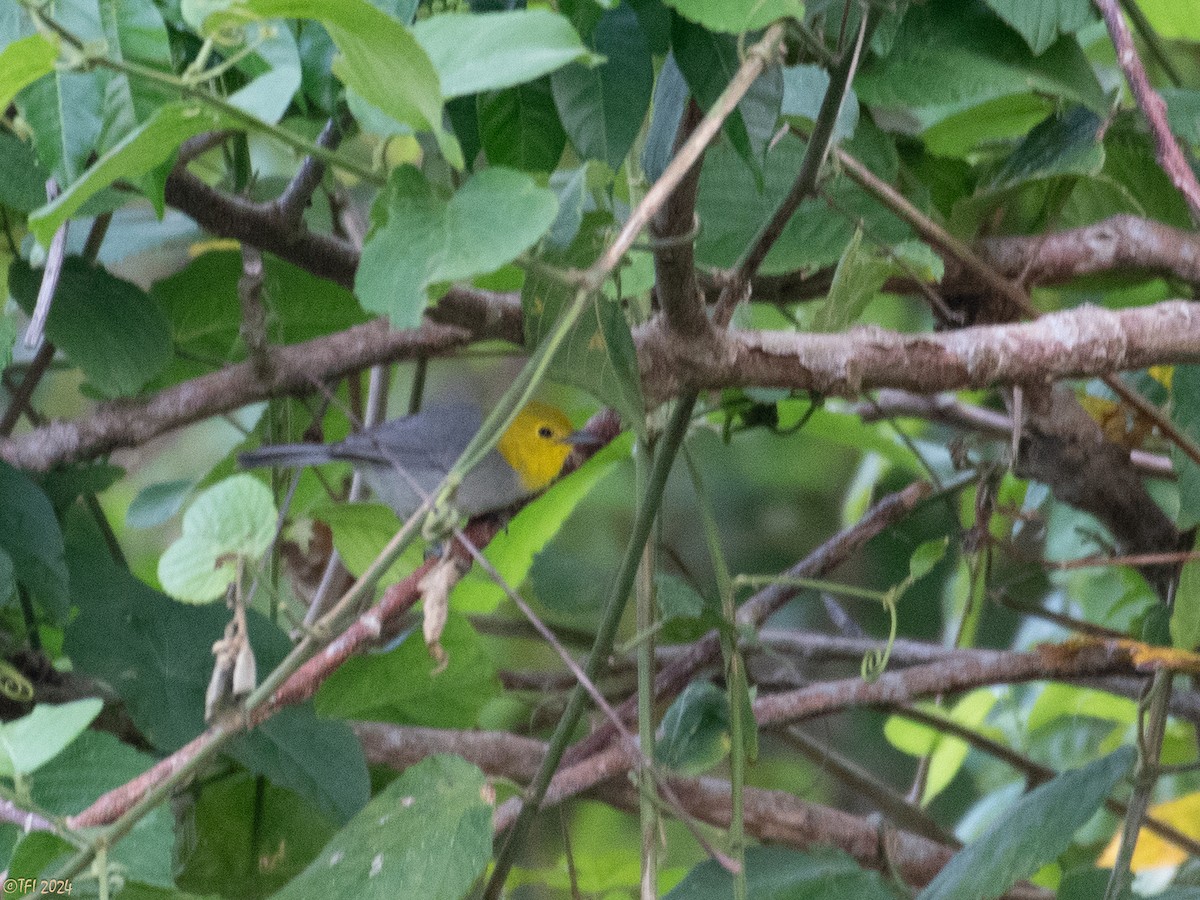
pixel 405 459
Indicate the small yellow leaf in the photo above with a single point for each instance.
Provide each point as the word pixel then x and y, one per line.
pixel 199 248
pixel 1162 374
pixel 1152 851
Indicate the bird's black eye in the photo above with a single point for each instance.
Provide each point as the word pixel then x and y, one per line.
pixel 546 431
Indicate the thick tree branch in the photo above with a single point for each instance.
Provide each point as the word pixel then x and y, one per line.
pixel 296 369
pixel 1082 342
pixel 774 816
pixel 674 242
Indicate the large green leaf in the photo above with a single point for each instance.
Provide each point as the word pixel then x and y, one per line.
pixel 497 50
pixel 598 355
pixel 157 654
pixel 23 62
pixel 428 834
pixel 418 693
pixel 30 536
pixel 418 239
pixel 90 321
pixel 142 149
pixel 1183 112
pixel 779 873
pixel 708 62
pixel 513 550
pixel 737 16
pixel 237 824
pixel 134 32
pixel 97 763
pixel 275 69
pixel 1067 143
pixel 804 89
pixel 1034 831
pixel 28 743
pixel 379 58
pixel 949 56
pixel 520 128
pixel 64 110
pixel 1041 22
pixel 23 186
pixel 602 107
pixel 732 210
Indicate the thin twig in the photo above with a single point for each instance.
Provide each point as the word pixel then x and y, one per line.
pixel 1167 151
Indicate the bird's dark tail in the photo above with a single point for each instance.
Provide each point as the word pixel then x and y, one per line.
pixel 286 455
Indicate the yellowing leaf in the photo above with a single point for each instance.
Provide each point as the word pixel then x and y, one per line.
pixel 1163 375
pixel 1152 851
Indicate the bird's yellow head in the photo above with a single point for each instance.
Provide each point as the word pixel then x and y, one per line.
pixel 536 445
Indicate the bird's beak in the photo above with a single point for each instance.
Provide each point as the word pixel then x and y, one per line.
pixel 583 439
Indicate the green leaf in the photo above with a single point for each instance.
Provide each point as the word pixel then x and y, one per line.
pixel 858 277
pixel 1185 413
pixel 678 600
pixel 417 239
pixel 948 57
pixel 23 187
pixel 513 550
pixel 1183 112
pixel 1041 22
pixel 708 62
pixel 318 758
pixel 737 16
pixel 1066 143
pixel 732 209
pixel 379 58
pixel 476 53
pixel 926 556
pixel 418 693
pixel 64 110
pixel 156 503
pixel 275 68
pixel 598 355
pixel 28 743
pixel 780 873
pixel 1035 830
pixel 950 752
pixel 141 150
pixel 1057 701
pixel 519 127
pixel 90 322
pixel 602 107
pixel 157 655
pixel 695 730
pixel 360 532
pixel 30 535
pixel 804 89
pixel 570 187
pixel 671 95
pixel 23 62
pixel 97 763
pixel 1185 615
pixel 235 819
pixel 232 520
pixel 133 32
pixel 66 484
pixel 427 834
